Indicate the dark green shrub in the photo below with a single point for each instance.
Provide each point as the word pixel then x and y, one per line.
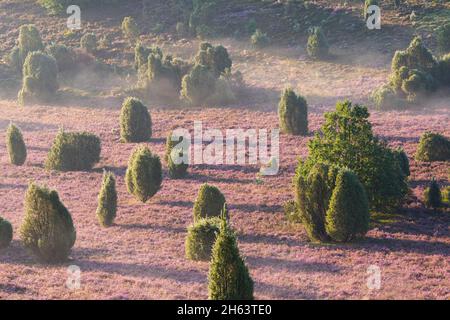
pixel 291 211
pixel 198 85
pixel 293 113
pixel 47 229
pixel 403 160
pixel 313 189
pixel 141 54
pixel 367 4
pixel 385 98
pixel 443 38
pixel 73 151
pixel 144 174
pixel 317 46
pixel 347 217
pixel 443 70
pixel 64 56
pixel 433 147
pixel 6 233
pixel 228 277
pixel 201 237
pixel 175 151
pixel 107 200
pixel 164 77
pixel 130 29
pixel 209 203
pixel 433 196
pixel 416 56
pixel 16 147
pixel 135 121
pixel 346 140
pixel 259 39
pixel 29 41
pixel 88 42
pixel 215 58
pixel 39 79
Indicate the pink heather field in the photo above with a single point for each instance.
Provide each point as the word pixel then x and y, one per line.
pixel 142 255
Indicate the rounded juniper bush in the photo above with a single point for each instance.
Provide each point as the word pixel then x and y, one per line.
pixel 107 200
pixel 201 237
pixel 175 153
pixel 6 233
pixel 73 151
pixel 29 41
pixel 228 278
pixel 144 174
pixel 135 121
pixel 433 147
pixel 293 113
pixel 39 82
pixel 347 217
pixel 433 196
pixel 403 161
pixel 15 145
pixel 209 202
pixel 47 228
pixel 198 85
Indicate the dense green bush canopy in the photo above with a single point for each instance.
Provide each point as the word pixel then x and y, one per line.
pixel 107 200
pixel 47 228
pixel 346 140
pixel 135 121
pixel 433 147
pixel 293 113
pixel 209 202
pixel 201 237
pixel 15 145
pixel 6 233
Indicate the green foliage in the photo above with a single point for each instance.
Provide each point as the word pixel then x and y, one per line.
pixel 15 145
pixel 347 217
pixel 291 211
pixel 201 237
pixel 293 113
pixel 141 54
pixel 73 151
pixel 346 140
pixel 175 150
pixel 446 195
pixel 6 233
pixel 228 277
pixel 433 196
pixel 443 70
pixel 47 229
pixel 259 39
pixel 215 58
pixel 443 38
pixel 107 200
pixel 144 174
pixel 403 161
pixel 209 203
pixel 433 147
pixel 64 56
pixel 39 79
pixel 88 42
pixel 367 4
pixel 198 85
pixel 317 46
pixel 29 41
pixel 135 121
pixel 385 98
pixel 130 29
pixel 313 189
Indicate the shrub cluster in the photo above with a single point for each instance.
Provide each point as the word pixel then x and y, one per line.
pixel 135 121
pixel 176 151
pixel 346 140
pixel 29 41
pixel 293 113
pixel 107 200
pixel 15 145
pixel 73 151
pixel 209 203
pixel 215 58
pixel 433 147
pixel 64 56
pixel 201 237
pixel 39 82
pixel 415 73
pixel 6 233
pixel 130 29
pixel 228 278
pixel 47 229
pixel 88 42
pixel 144 174
pixel 331 203
pixel 317 46
pixel 259 39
